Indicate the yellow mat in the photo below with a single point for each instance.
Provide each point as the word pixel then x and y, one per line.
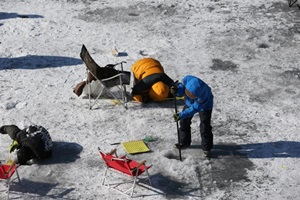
pixel 133 147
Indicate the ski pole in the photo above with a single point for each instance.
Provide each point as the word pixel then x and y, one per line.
pixel 175 105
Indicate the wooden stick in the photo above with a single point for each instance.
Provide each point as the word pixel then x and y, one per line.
pixel 113 151
pixel 138 166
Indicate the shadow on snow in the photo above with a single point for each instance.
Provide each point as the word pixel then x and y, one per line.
pixel 4 15
pixel 63 152
pixel 279 149
pixel 37 62
pixel 41 189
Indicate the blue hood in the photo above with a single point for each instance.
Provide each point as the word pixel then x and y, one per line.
pixel 201 90
pixel 195 86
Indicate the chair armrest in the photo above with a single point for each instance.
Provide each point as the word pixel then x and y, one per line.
pixel 110 78
pixel 120 159
pixel 113 151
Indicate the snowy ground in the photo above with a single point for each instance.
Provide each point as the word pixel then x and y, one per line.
pixel 247 51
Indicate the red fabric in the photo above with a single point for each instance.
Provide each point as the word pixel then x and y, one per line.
pixel 124 166
pixel 6 171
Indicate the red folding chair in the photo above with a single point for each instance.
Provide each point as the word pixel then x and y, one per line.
pixel 6 173
pixel 125 166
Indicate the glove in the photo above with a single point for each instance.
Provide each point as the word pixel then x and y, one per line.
pixel 176 117
pixel 173 89
pixel 13 146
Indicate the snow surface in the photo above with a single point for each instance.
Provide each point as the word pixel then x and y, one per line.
pixel 247 51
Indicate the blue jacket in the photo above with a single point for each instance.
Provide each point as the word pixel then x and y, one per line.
pixel 204 100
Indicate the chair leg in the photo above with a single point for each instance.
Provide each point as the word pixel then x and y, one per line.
pixel 124 97
pixel 89 87
pixel 89 83
pixel 134 182
pixel 148 176
pixel 10 180
pixel 114 96
pixel 123 88
pixel 124 93
pixel 8 187
pixel 18 176
pixel 104 179
pixel 100 93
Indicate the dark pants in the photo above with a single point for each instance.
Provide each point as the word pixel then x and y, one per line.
pixel 205 130
pixel 12 131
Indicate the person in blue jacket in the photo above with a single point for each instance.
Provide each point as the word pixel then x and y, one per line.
pixel 198 99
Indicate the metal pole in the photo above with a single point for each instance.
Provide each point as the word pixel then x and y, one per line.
pixel 177 126
pixel 179 148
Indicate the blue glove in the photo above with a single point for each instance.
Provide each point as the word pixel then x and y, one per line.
pixel 176 117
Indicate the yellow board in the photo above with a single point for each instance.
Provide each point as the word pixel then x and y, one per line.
pixel 133 147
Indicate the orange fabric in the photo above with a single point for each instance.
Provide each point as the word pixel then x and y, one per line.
pixel 146 67
pixel 159 91
pixel 138 98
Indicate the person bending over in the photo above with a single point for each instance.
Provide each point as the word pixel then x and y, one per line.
pixel 151 82
pixel 198 99
pixel 32 142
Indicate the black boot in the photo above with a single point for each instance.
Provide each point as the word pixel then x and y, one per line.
pixel 2 130
pixel 182 146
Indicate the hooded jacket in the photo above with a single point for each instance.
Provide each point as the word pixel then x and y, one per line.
pixel 38 140
pixel 204 96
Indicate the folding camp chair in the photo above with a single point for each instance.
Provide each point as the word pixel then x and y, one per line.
pixel 108 77
pixel 125 166
pixel 6 173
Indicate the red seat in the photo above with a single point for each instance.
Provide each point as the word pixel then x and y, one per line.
pixel 125 166
pixel 6 173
